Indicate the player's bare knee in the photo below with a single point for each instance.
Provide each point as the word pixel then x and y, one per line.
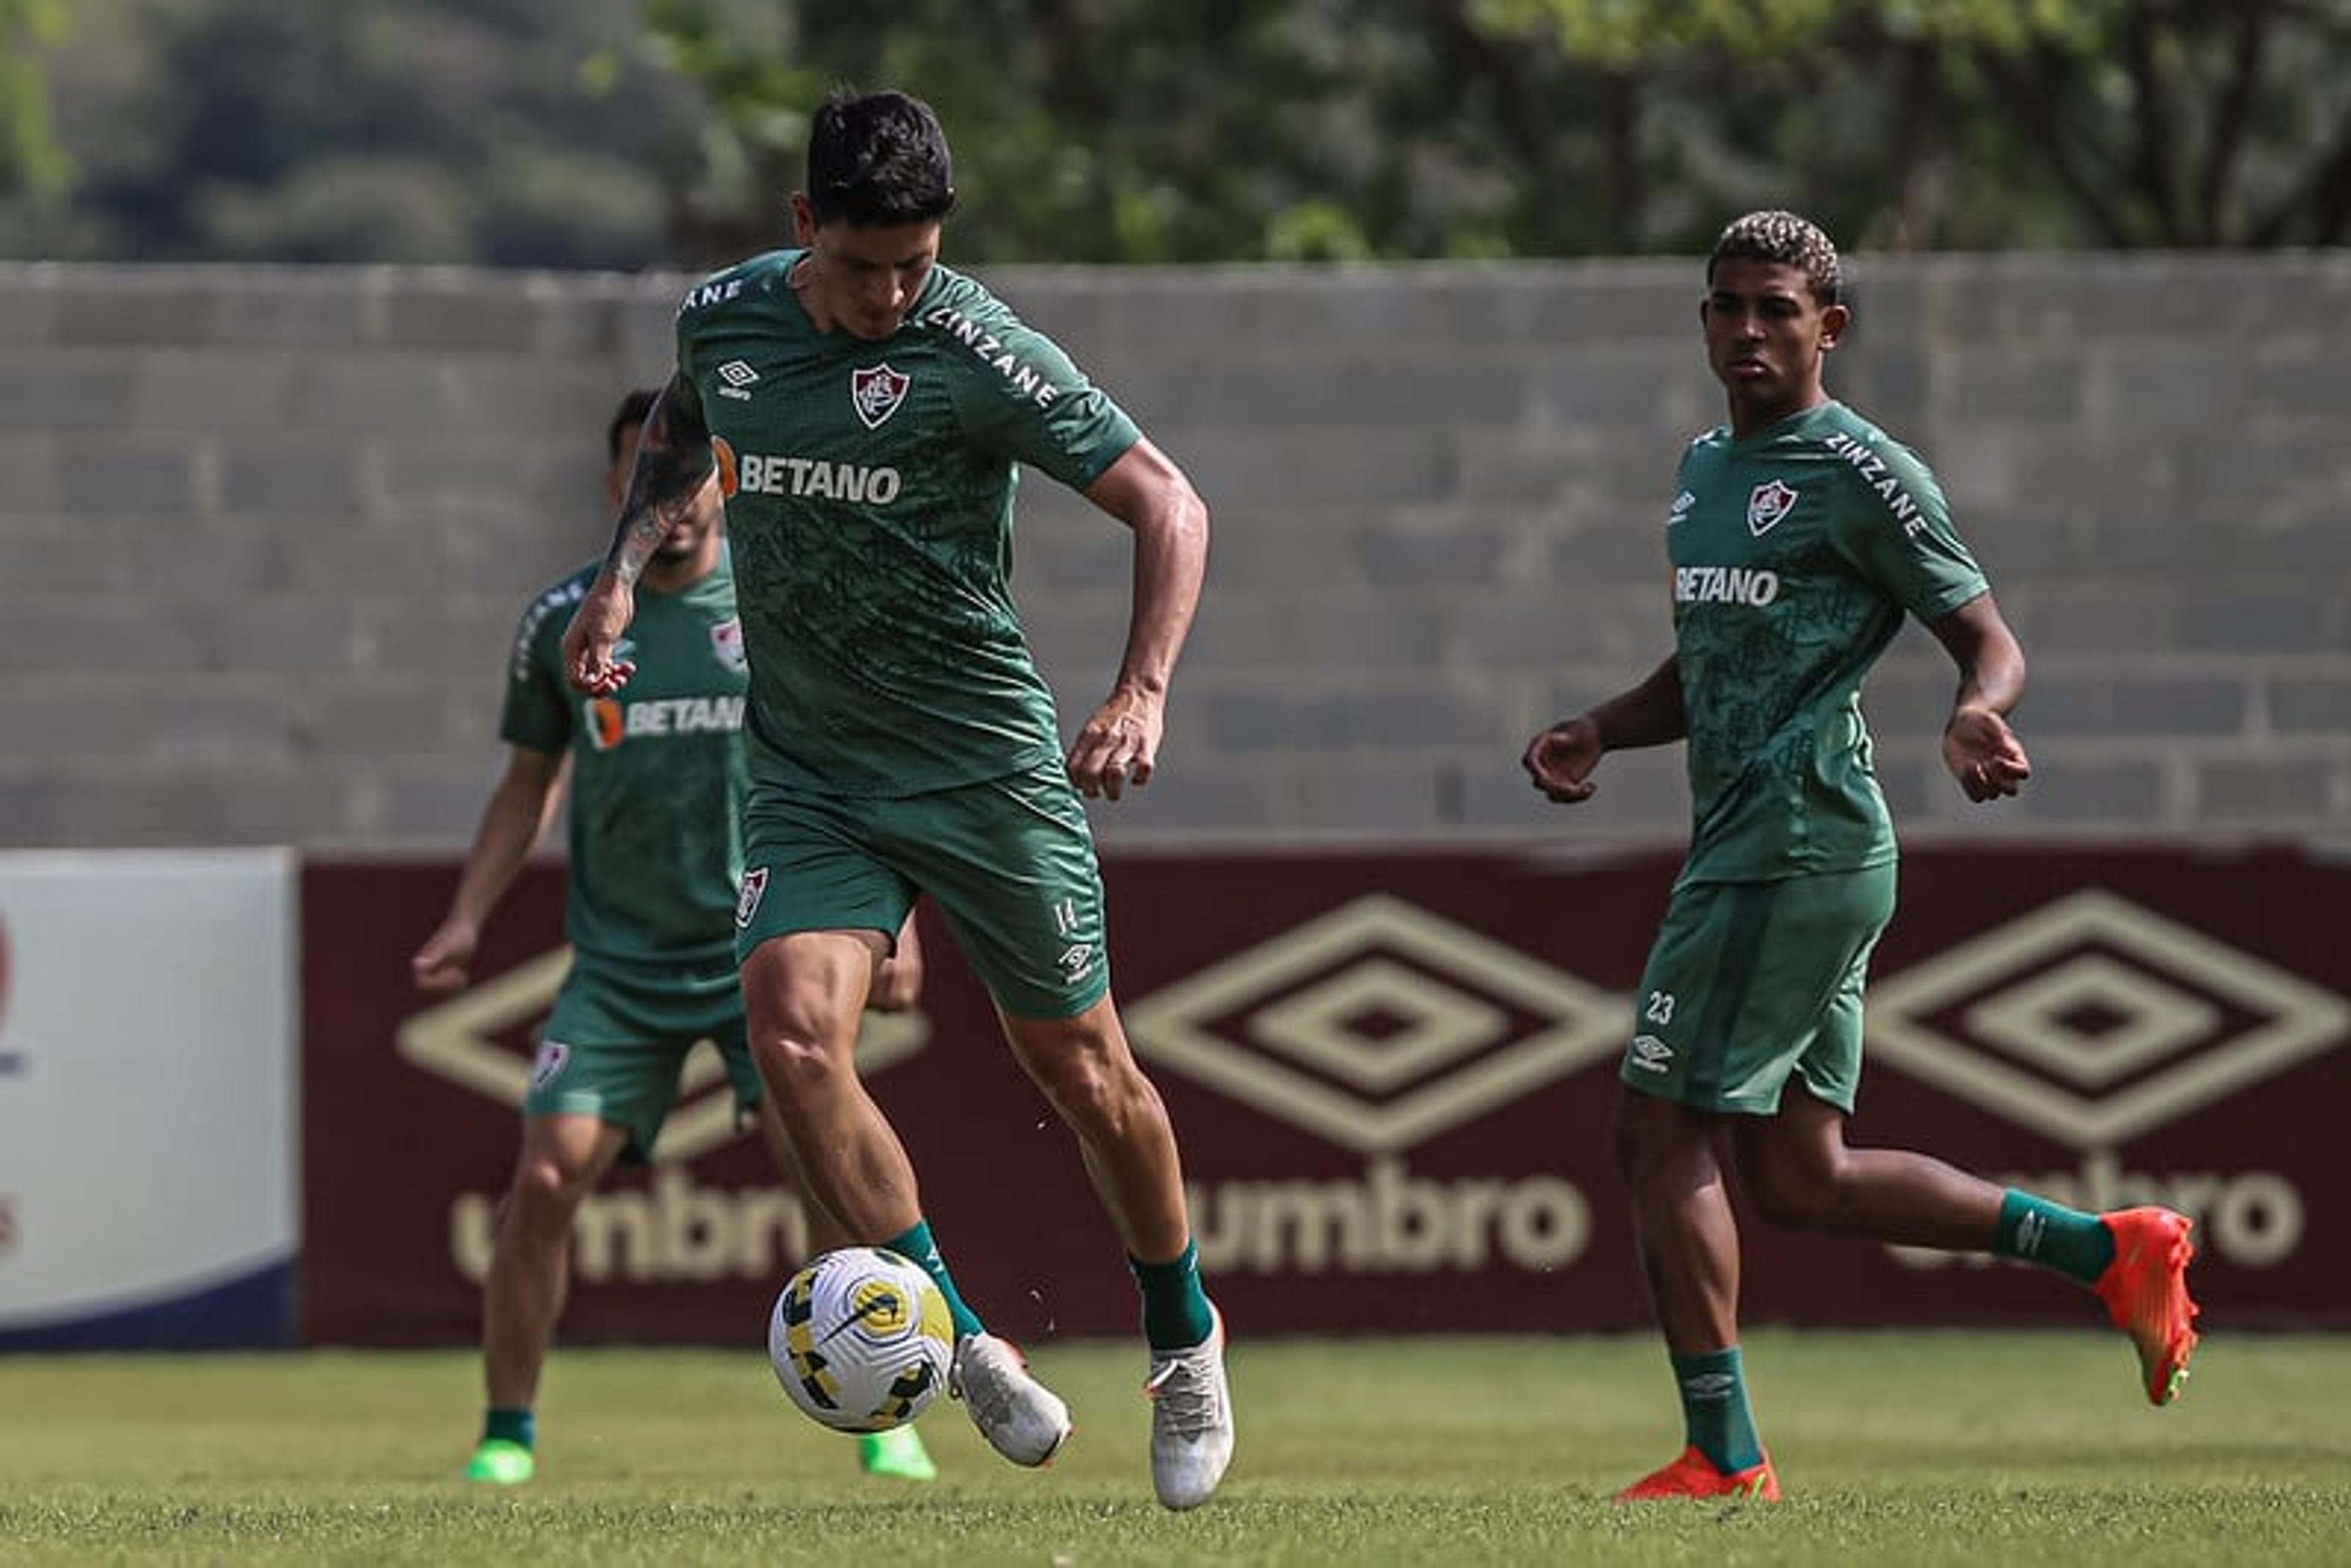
pixel 1651 1139
pixel 1082 1090
pixel 1090 1090
pixel 796 1066
pixel 544 1194
pixel 1795 1195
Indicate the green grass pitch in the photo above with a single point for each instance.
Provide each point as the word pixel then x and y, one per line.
pixel 1896 1448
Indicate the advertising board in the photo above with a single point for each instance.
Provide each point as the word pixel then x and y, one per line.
pixel 1393 1075
pixel 147 1139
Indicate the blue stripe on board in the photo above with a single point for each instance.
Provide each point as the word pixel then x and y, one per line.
pixel 253 1310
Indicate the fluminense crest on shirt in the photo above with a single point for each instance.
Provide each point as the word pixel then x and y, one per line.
pixel 1767 504
pixel 727 642
pixel 875 392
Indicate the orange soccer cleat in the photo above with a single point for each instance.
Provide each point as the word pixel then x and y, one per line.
pixel 2146 1293
pixel 1693 1475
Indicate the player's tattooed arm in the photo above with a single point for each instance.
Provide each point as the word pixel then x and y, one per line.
pixel 673 462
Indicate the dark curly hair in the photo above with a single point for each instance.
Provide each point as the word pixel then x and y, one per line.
pixel 1786 240
pixel 629 416
pixel 878 159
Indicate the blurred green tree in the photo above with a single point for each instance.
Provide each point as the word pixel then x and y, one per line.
pixel 1983 123
pixel 635 132
pixel 441 130
pixel 32 165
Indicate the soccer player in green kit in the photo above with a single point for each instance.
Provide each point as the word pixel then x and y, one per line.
pixel 1800 535
pixel 657 781
pixel 866 410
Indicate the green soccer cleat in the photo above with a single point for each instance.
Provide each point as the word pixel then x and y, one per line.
pixel 898 1452
pixel 499 1463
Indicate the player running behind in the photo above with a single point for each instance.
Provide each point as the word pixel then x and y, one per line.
pixel 1800 535
pixel 655 860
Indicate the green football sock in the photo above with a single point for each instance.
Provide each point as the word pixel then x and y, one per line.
pixel 917 1245
pixel 1714 1409
pixel 510 1424
pixel 2076 1245
pixel 1174 1308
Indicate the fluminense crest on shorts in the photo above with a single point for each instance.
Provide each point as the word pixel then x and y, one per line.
pixel 1767 504
pixel 746 901
pixel 548 1065
pixel 875 392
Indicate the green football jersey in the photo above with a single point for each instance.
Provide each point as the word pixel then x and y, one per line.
pixel 1796 551
pixel 658 771
pixel 869 498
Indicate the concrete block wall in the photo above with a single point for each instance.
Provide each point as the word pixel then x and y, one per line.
pixel 264 534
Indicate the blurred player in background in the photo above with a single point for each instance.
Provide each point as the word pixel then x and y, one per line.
pixel 657 785
pixel 867 412
pixel 1800 535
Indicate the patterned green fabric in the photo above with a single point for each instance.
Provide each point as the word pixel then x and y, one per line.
pixel 869 498
pixel 1796 552
pixel 658 773
pixel 1010 862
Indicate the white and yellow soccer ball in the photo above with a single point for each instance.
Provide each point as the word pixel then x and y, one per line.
pixel 861 1339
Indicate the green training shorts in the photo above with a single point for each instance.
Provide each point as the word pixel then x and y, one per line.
pixel 1749 982
pixel 619 1036
pixel 1009 861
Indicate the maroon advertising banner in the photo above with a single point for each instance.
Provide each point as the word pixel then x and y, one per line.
pixel 1393 1074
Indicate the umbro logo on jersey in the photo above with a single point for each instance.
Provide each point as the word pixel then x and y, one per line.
pixel 1651 1054
pixel 1682 504
pixel 1767 504
pixel 738 378
pixel 875 392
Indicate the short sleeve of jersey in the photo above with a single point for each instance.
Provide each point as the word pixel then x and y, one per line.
pixel 1896 529
pixel 682 393
pixel 1020 395
pixel 537 712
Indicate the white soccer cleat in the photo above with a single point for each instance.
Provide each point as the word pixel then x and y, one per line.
pixel 1020 1417
pixel 1191 1419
